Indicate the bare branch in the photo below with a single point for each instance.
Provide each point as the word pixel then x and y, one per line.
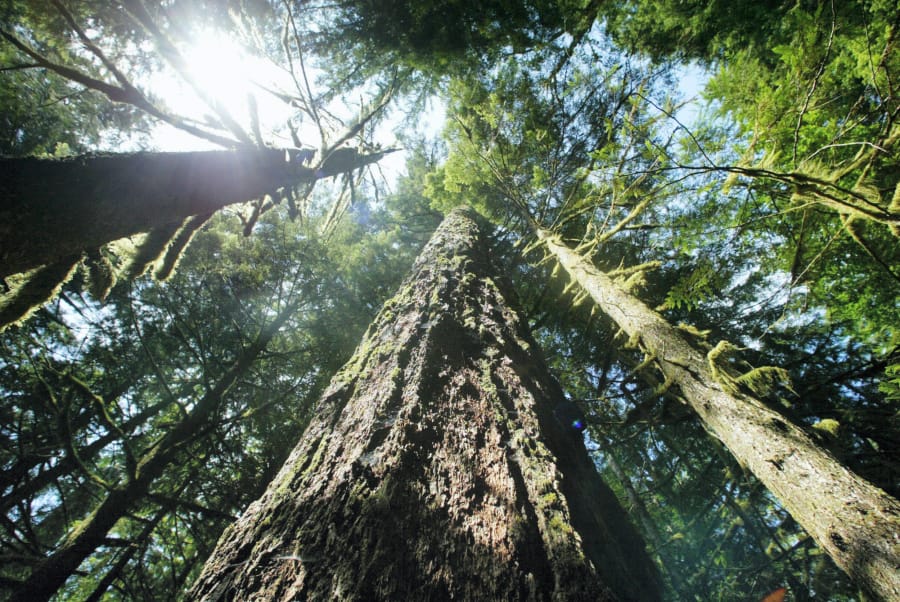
pixel 309 101
pixel 20 66
pixel 371 112
pixel 815 84
pixel 90 46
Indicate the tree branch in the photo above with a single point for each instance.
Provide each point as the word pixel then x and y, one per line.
pixel 136 9
pixel 175 502
pixel 131 95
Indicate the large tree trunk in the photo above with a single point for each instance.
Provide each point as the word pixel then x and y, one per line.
pixel 436 467
pixel 57 208
pixel 856 523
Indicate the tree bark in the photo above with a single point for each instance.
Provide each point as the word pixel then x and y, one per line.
pixel 435 467
pixel 56 208
pixel 856 523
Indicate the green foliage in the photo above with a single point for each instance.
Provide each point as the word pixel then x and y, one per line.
pixel 696 287
pixel 150 353
pixel 440 35
pixel 40 110
pixel 891 384
pixel 524 145
pixel 810 88
pixel 548 121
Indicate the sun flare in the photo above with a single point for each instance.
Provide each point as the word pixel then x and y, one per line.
pixel 218 84
pixel 222 70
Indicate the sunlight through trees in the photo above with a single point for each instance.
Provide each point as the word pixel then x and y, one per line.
pixel 199 224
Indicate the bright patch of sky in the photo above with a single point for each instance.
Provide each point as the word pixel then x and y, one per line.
pixel 428 126
pixel 692 79
pixel 225 72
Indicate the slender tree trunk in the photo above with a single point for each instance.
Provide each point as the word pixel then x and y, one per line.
pixel 137 544
pixel 51 574
pixel 56 208
pixel 436 468
pixel 638 508
pixel 856 523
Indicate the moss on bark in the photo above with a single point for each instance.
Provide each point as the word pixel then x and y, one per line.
pixel 435 467
pixel 54 208
pixel 856 523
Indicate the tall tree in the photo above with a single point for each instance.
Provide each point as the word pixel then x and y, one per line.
pixel 854 521
pixel 509 155
pixel 792 255
pixel 75 415
pixel 86 202
pixel 443 462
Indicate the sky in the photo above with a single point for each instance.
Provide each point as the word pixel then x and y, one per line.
pixel 229 74
pixel 226 72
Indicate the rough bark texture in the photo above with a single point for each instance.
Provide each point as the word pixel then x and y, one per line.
pixel 55 208
pixel 856 523
pixel 435 468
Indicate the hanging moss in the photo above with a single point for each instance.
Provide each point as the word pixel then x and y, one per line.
pixel 178 244
pixel 31 290
pixel 763 380
pixel 148 250
pixel 100 274
pixel 829 427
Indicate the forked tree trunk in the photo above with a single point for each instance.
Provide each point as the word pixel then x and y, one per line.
pixel 856 523
pixel 436 468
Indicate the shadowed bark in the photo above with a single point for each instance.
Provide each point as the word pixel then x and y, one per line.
pixel 436 467
pixel 52 209
pixel 855 522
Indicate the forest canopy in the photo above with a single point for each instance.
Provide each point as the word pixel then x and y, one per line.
pixel 155 376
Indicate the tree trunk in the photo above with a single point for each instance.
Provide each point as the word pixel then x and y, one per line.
pixel 436 468
pixel 137 544
pixel 637 506
pixel 56 208
pixel 856 523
